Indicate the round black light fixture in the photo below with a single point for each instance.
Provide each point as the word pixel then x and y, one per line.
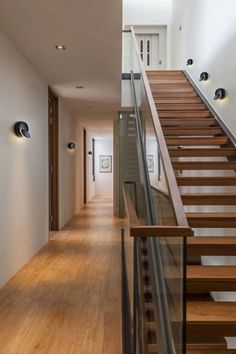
pixel 71 146
pixel 21 130
pixel 220 94
pixel 90 152
pixel 190 62
pixel 204 76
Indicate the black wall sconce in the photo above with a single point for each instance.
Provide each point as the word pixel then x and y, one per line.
pixel 90 153
pixel 204 76
pixel 220 94
pixel 21 130
pixel 71 146
pixel 190 62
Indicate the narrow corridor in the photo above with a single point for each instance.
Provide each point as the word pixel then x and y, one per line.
pixel 67 298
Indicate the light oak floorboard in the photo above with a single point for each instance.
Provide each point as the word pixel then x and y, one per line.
pixel 66 300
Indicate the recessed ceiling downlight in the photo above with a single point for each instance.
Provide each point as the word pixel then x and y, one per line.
pixel 60 47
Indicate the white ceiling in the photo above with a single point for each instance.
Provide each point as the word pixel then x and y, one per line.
pixel 91 32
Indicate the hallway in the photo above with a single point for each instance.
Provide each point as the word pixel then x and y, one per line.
pixel 66 300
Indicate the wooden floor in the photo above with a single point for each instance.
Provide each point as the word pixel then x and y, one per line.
pixel 67 298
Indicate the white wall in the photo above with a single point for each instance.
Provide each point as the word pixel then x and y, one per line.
pixel 24 162
pixel 208 37
pixel 24 215
pixel 70 165
pixel 148 12
pixel 103 181
pixel 103 184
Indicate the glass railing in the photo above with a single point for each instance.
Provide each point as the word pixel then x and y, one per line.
pixel 163 210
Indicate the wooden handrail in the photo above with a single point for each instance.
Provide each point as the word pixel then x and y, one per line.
pixel 138 230
pixel 178 207
pixel 161 231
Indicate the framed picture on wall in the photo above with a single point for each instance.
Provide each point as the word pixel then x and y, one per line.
pixel 150 163
pixel 105 163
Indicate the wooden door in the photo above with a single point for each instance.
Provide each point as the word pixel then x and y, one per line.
pixel 85 165
pixel 53 161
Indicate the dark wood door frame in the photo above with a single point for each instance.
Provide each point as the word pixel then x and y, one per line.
pixel 93 159
pixel 53 140
pixel 85 164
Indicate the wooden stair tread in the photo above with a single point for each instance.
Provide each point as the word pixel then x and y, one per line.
pixel 211 319
pixel 212 220
pixel 211 246
pixel 154 83
pixel 177 122
pixel 207 273
pixel 164 72
pixel 211 215
pixel 207 319
pixel 168 94
pixel 180 100
pixel 201 152
pixel 211 313
pixel 206 181
pixel 163 80
pixel 182 114
pixel 206 343
pixel 162 75
pixel 207 241
pixel 207 349
pixel 211 278
pixel 192 131
pixel 214 349
pixel 211 351
pixel 196 141
pixel 208 198
pixel 204 165
pixel 180 107
pixel 169 90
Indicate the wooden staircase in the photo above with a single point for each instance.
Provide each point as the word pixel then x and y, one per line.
pixel 204 160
